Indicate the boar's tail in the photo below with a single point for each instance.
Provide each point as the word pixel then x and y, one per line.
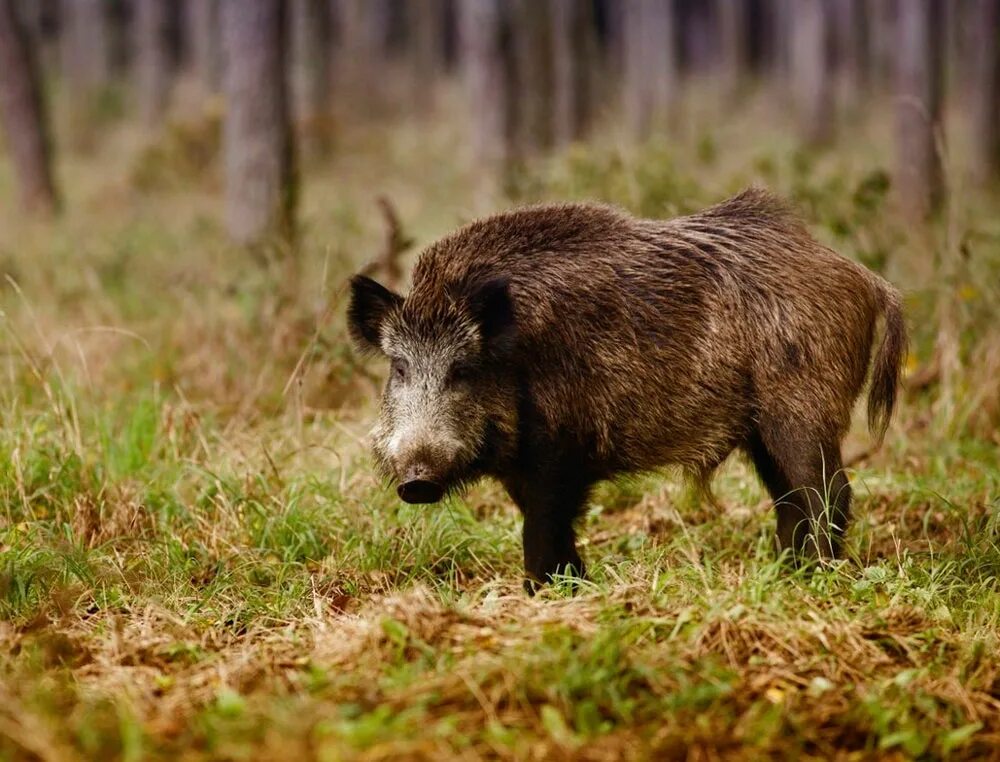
pixel 888 362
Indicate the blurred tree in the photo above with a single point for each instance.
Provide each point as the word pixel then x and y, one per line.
pixel 483 31
pixel 850 51
pixel 650 63
pixel 153 60
pixel 810 69
pixel 698 41
pixel 23 114
pixel 985 95
pixel 574 54
pixel 84 49
pixel 919 93
pixel 310 44
pixel 362 27
pixel 201 33
pixel 41 19
pixel 882 40
pixel 260 181
pixel 532 71
pixel 734 53
pixel 427 21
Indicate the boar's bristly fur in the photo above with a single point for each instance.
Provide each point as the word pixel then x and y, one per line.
pixel 555 346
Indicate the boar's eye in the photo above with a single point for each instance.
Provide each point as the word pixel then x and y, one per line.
pixel 460 373
pixel 400 369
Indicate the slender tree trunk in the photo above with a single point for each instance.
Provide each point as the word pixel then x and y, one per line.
pixel 985 95
pixel 427 21
pixel 574 50
pixel 152 56
pixel 650 70
pixel 310 42
pixel 260 182
pixel 85 46
pixel 734 55
pixel 361 47
pixel 850 50
pixel 532 51
pixel 23 115
pixel 810 70
pixel 882 41
pixel 485 64
pixel 919 93
pixel 698 41
pixel 39 18
pixel 202 32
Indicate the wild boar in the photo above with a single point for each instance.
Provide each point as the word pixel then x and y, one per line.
pixel 554 346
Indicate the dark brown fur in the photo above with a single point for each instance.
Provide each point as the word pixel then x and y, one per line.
pixel 642 343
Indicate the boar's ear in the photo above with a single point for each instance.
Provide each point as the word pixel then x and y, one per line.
pixel 370 303
pixel 491 305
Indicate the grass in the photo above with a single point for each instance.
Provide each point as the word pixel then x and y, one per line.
pixel 196 561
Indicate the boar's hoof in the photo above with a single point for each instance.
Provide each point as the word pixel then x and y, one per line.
pixel 420 491
pixel 575 572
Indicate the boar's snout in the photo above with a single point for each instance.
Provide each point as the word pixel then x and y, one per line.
pixel 419 486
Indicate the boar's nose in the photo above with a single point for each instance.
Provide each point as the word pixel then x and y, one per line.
pixel 417 486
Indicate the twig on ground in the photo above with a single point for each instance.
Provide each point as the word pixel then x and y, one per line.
pixel 396 244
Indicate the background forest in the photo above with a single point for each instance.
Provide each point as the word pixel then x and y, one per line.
pixel 196 560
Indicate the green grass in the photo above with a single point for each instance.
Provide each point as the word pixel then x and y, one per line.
pixel 196 560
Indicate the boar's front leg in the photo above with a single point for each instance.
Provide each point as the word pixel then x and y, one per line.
pixel 550 501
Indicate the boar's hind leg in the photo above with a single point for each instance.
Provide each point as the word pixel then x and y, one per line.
pixel 811 493
pixel 549 506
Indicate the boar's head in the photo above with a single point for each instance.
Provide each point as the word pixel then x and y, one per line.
pixel 450 399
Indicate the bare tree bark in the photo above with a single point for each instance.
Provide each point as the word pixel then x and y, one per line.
pixel 85 46
pixel 484 61
pixel 23 115
pixel 985 103
pixel 574 50
pixel 734 55
pixel 882 41
pixel 850 51
pixel 427 20
pixel 39 17
pixel 152 56
pixel 532 59
pixel 310 43
pixel 810 70
pixel 650 65
pixel 201 23
pixel 260 181
pixel 361 24
pixel 919 94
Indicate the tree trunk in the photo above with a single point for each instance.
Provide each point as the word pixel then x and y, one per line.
pixel 482 27
pixel 919 85
pixel 650 69
pixel 260 183
pixel 40 19
pixel 85 47
pixel 310 42
pixel 850 51
pixel 985 103
pixel 152 56
pixel 882 41
pixel 361 46
pixel 574 50
pixel 532 60
pixel 734 58
pixel 810 70
pixel 23 116
pixel 427 21
pixel 202 36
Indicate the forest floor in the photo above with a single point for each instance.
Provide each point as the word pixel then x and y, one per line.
pixel 197 562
